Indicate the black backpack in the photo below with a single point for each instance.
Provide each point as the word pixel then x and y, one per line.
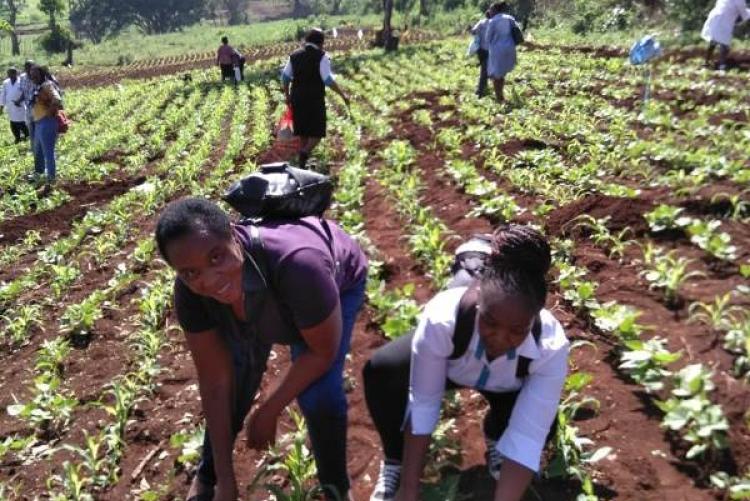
pixel 280 191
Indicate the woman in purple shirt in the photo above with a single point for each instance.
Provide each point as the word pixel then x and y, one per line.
pixel 240 289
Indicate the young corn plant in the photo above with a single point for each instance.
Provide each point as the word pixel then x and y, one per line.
pixel 737 342
pixel 706 235
pixel 614 244
pixel 690 413
pixel 720 314
pixel 571 456
pixel 620 320
pixel 20 323
pixel 645 362
pixel 667 218
pixel 668 273
pixel 293 460
pixel 395 311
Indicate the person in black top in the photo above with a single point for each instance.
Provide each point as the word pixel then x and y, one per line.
pixel 305 78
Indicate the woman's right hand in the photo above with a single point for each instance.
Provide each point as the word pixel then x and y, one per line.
pixel 226 491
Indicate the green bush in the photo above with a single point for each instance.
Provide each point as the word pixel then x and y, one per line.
pixel 57 40
pixel 690 13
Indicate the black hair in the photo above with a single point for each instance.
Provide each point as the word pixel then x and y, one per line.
pixel 187 216
pixel 225 40
pixel 315 36
pixel 518 264
pixel 501 7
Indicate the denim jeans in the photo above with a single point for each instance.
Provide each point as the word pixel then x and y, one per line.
pixel 44 139
pixel 323 403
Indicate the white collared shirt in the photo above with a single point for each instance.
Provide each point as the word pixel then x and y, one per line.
pixel 9 94
pixel 537 403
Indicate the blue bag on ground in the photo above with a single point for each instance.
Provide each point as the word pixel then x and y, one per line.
pixel 644 50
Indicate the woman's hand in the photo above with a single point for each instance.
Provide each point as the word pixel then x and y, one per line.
pixel 261 428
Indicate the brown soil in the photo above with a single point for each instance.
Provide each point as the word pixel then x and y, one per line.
pixel 58 222
pixel 181 64
pixel 623 212
pixel 647 468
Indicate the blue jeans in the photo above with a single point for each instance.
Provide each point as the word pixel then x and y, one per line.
pixel 43 144
pixel 323 403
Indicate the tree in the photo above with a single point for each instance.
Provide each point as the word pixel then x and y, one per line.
pixel 52 8
pixel 236 10
pixel 11 9
pixel 99 19
pixel 163 16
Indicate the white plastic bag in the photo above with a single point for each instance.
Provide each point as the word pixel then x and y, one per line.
pixel 237 74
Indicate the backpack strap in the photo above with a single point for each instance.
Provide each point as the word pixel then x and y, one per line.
pixel 522 369
pixel 465 316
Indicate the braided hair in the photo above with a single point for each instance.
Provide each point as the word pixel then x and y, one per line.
pixel 518 265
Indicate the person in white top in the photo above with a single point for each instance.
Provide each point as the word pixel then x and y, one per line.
pixel 478 31
pixel 501 46
pixel 719 27
pixel 11 100
pixel 493 335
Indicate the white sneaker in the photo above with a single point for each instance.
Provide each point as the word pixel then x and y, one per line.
pixel 387 484
pixel 493 458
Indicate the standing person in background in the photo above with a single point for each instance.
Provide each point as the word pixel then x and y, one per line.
pixel 719 28
pixel 224 58
pixel 10 94
pixel 479 31
pixel 28 89
pixel 45 105
pixel 238 60
pixel 308 73
pixel 501 47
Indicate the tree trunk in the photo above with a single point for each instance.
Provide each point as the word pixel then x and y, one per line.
pixel 15 49
pixel 423 8
pixel 15 45
pixel 387 14
pixel 69 58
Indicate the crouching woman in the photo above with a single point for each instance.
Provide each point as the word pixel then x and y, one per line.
pixel 493 336
pixel 239 290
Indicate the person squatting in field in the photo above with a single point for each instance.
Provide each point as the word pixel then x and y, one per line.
pixel 304 79
pixel 719 28
pixel 239 290
pixel 490 333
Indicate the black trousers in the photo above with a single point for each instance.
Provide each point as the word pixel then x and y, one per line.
pixel 483 55
pixel 20 131
pixel 386 377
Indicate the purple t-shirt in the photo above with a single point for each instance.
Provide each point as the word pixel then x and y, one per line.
pixel 305 279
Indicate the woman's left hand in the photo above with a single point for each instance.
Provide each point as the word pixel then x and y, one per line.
pixel 261 428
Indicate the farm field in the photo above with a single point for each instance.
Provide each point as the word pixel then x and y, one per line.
pixel 647 209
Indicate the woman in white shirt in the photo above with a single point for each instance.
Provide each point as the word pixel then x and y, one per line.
pixel 494 336
pixel 719 28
